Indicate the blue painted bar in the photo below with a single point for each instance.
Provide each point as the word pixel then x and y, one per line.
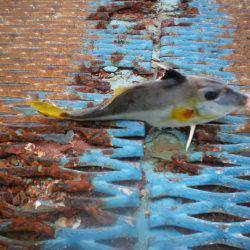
pixel 136 51
pixel 86 238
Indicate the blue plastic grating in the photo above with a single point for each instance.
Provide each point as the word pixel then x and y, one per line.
pixel 137 206
pixel 116 46
pixel 196 46
pixel 208 207
pixel 162 222
pixel 120 43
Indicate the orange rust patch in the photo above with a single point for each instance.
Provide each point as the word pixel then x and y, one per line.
pixel 116 58
pixel 39 56
pixel 241 43
pixel 178 164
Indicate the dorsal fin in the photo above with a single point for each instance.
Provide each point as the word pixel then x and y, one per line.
pixel 173 74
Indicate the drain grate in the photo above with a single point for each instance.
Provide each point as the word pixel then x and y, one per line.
pixel 209 173
pixel 83 185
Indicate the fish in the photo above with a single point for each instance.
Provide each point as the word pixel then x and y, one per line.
pixel 174 100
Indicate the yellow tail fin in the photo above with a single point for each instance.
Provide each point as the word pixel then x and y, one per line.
pixel 48 109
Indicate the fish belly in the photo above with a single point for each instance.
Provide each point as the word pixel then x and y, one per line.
pixel 154 118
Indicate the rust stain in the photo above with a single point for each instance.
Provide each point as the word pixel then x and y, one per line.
pixel 91 86
pixel 40 58
pixel 91 207
pixel 206 133
pixel 30 171
pixel 128 9
pixel 101 25
pixel 132 8
pixel 72 186
pixel 188 11
pixel 98 137
pixel 241 42
pixel 116 58
pixel 178 164
pixel 140 26
pixel 7 180
pixel 30 225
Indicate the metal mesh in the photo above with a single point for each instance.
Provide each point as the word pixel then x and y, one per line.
pixel 69 185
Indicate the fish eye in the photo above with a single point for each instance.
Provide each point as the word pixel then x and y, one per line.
pixel 211 95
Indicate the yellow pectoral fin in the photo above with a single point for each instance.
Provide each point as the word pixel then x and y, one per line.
pixel 48 109
pixel 183 114
pixel 119 90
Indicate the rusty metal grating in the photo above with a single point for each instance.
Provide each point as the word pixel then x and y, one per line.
pixel 123 42
pixel 84 186
pixel 204 55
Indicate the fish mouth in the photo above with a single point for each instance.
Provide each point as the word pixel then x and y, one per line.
pixel 244 101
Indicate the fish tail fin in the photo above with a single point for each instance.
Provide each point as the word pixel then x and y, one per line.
pixel 48 109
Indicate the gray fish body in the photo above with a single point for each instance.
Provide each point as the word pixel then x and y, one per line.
pixel 152 95
pixel 154 101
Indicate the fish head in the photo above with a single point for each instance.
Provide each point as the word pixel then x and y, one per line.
pixel 215 99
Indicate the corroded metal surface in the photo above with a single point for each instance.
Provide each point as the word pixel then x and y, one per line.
pixel 67 185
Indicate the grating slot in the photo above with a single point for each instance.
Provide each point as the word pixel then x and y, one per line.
pixel 216 247
pixel 219 217
pixel 176 229
pixel 124 243
pixel 92 169
pixel 245 177
pixel 246 204
pixel 178 199
pixel 217 189
pixel 82 185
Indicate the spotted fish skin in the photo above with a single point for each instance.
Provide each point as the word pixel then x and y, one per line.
pixel 175 100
